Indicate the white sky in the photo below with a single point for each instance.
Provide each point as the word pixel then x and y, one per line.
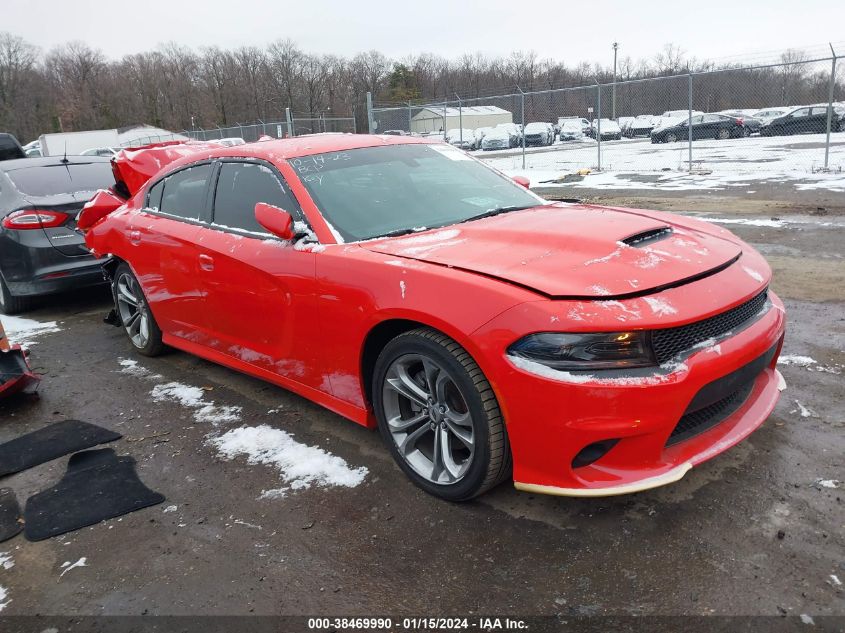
pixel 712 29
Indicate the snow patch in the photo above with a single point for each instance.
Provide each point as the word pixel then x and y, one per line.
pixel 170 509
pixel 300 465
pixel 660 307
pixel 798 361
pixel 6 560
pixel 805 411
pixel 25 332
pixel 402 288
pixel 4 598
pixel 828 483
pixel 599 290
pixel 67 566
pixel 192 398
pixel 753 274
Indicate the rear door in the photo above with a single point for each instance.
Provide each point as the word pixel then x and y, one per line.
pixel 798 122
pixel 259 289
pixel 163 251
pixel 818 119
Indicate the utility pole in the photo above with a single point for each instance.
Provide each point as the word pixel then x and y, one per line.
pixel 613 92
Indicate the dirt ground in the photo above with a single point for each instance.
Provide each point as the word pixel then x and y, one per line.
pixel 752 532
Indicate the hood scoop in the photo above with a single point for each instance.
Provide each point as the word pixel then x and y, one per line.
pixel 645 238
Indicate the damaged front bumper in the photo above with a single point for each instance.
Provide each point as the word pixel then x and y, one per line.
pixel 15 373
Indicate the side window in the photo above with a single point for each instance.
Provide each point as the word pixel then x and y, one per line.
pixel 184 192
pixel 240 187
pixel 154 199
pixel 801 112
pixel 819 110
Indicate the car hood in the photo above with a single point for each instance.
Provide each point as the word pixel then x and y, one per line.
pixel 577 251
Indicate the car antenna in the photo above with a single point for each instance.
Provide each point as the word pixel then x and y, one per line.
pixel 64 158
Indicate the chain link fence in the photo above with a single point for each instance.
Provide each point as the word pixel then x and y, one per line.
pixel 293 125
pixel 775 119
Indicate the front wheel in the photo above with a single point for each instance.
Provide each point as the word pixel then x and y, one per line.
pixel 671 138
pixel 134 313
pixel 723 134
pixel 439 416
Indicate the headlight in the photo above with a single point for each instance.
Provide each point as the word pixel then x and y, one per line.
pixel 573 352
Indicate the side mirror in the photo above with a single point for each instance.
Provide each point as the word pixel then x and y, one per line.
pixel 276 220
pixel 98 207
pixel 522 181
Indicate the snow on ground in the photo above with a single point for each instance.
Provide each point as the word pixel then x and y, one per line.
pixel 4 598
pixel 67 565
pixel 25 332
pixel 299 465
pixel 6 560
pixel 192 398
pixel 639 164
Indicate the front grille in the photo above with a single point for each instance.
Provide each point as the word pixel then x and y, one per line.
pixel 670 342
pixel 691 424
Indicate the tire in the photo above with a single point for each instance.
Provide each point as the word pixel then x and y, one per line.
pixel 134 313
pixel 723 134
pixel 10 304
pixel 460 415
pixel 671 138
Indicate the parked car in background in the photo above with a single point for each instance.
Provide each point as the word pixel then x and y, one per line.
pixel 571 130
pixel 395 132
pixel 641 125
pixel 479 134
pixel 610 129
pixel 716 126
pixel 33 148
pixel 539 133
pixel 803 120
pixel 231 141
pixel 752 124
pixel 497 138
pixel 514 132
pixel 41 251
pixel 770 113
pixel 496 344
pixel 464 139
pixel 10 148
pixel 584 123
pixel 108 152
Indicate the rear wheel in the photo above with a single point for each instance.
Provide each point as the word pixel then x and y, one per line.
pixel 671 138
pixel 10 304
pixel 439 416
pixel 134 313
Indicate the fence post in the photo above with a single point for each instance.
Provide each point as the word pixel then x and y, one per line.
pixel 460 120
pixel 289 119
pixel 689 123
pixel 830 108
pixel 522 118
pixel 409 117
pixel 598 126
pixel 443 128
pixel 371 123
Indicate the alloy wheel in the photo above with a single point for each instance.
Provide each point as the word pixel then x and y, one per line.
pixel 428 418
pixel 133 310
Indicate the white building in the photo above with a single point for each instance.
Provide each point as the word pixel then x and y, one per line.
pixel 434 119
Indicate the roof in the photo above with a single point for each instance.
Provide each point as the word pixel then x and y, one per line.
pixel 49 161
pixel 466 110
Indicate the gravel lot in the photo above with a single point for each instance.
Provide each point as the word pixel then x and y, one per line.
pixel 758 530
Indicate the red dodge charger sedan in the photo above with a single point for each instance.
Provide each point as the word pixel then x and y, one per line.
pixel 582 350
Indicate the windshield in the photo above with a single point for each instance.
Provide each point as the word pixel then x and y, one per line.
pixel 370 192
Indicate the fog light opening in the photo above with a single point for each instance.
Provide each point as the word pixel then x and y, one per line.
pixel 593 452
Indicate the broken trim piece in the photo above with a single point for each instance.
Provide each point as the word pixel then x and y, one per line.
pixel 666 478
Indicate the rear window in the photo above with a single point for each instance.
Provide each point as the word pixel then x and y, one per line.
pixel 50 180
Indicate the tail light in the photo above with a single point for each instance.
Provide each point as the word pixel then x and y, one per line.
pixel 740 121
pixel 34 219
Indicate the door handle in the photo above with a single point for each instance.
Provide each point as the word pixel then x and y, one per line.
pixel 206 262
pixel 135 237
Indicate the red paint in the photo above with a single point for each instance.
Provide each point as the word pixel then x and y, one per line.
pixel 299 318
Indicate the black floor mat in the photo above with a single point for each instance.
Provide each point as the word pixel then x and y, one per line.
pixel 61 438
pixel 98 485
pixel 11 522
